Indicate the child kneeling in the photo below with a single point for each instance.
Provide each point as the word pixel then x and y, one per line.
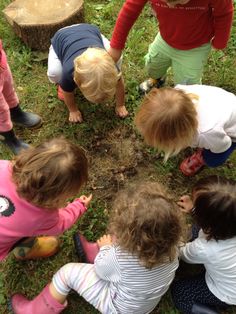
pixel 172 119
pixel 135 265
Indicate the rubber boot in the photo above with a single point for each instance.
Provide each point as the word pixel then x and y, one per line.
pixel 16 145
pixel 25 119
pixel 202 309
pixel 44 303
pixel 85 250
pixel 39 247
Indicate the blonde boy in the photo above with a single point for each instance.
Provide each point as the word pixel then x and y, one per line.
pixel 78 58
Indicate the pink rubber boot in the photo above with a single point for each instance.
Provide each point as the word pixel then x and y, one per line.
pixel 86 250
pixel 44 303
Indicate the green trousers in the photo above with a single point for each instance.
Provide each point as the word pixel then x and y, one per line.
pixel 187 65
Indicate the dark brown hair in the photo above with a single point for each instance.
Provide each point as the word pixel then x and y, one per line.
pixel 215 207
pixel 48 174
pixel 146 222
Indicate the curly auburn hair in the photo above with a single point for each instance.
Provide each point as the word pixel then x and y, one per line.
pixel 146 222
pixel 167 119
pixel 48 174
pixel 215 207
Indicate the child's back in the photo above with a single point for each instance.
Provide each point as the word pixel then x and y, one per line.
pixel 132 286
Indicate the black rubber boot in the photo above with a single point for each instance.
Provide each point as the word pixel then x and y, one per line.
pixel 9 139
pixel 203 309
pixel 25 119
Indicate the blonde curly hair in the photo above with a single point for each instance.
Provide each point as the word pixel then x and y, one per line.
pixel 96 75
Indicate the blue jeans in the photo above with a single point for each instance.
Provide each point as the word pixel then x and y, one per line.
pixel 215 160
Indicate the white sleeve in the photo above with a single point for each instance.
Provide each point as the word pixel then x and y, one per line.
pixel 194 252
pixel 216 140
pixel 106 264
pixel 106 44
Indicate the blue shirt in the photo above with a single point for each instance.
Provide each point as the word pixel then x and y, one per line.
pixel 69 43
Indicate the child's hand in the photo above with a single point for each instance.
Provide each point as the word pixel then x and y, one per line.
pixel 121 111
pixel 104 240
pixel 75 116
pixel 185 203
pixel 86 199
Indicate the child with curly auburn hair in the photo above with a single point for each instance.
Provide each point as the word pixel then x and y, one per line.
pixel 135 264
pixel 214 210
pixel 34 189
pixel 172 119
pixel 78 57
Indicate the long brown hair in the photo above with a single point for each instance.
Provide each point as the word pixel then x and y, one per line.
pixel 146 222
pixel 48 174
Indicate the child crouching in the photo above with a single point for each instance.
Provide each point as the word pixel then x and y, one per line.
pixel 34 189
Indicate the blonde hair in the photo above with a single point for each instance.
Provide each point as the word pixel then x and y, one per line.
pixel 167 119
pixel 145 221
pixel 96 75
pixel 48 174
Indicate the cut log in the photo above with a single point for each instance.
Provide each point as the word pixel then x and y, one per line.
pixel 36 21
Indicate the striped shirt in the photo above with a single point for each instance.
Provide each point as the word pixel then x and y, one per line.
pixel 132 287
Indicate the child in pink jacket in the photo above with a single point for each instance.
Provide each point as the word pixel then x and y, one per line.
pixel 34 189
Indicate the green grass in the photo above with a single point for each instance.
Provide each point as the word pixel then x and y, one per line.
pixel 117 154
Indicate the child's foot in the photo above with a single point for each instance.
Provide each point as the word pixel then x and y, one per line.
pixel 60 93
pixel 147 85
pixel 121 111
pixel 193 164
pixel 75 117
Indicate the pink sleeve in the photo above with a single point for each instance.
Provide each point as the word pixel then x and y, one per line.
pixel 126 18
pixel 223 17
pixel 62 219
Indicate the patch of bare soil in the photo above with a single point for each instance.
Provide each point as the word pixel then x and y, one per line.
pixel 121 158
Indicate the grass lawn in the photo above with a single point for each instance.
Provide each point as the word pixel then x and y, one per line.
pixel 116 152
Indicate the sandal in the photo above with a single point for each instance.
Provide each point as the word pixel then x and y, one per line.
pixel 191 165
pixel 147 85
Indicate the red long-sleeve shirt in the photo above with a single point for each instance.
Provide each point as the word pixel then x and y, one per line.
pixel 183 27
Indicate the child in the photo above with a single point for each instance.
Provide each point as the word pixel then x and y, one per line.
pixel 10 110
pixel 187 31
pixel 214 211
pixel 78 58
pixel 135 265
pixel 172 119
pixel 34 188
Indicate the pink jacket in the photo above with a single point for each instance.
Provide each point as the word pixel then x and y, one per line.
pixel 3 58
pixel 19 219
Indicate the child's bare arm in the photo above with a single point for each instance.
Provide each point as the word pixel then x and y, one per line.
pixel 121 110
pixel 114 53
pixel 74 114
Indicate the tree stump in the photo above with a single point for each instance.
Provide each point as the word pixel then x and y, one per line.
pixel 36 21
